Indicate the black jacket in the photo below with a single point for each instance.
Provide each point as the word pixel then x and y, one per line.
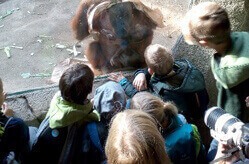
pixel 15 138
pixel 186 88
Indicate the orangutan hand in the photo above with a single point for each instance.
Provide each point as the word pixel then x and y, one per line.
pixel 139 82
pixel 117 77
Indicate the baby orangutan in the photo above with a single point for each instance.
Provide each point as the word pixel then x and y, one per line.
pixel 121 32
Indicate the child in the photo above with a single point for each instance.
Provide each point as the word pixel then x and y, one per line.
pixel 178 81
pixel 182 140
pixel 208 25
pixel 69 110
pixel 109 99
pixel 134 138
pixel 14 134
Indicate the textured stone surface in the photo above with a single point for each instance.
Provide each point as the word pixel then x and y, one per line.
pixel 31 105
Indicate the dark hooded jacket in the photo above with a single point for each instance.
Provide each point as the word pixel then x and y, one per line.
pixel 186 88
pixel 14 137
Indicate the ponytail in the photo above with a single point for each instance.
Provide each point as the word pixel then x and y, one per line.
pixel 170 109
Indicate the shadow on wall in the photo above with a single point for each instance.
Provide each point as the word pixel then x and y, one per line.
pixel 200 57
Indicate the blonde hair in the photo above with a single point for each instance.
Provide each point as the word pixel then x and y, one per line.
pixel 134 139
pixel 154 106
pixel 208 21
pixel 158 59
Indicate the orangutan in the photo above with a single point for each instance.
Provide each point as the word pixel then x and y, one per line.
pixel 121 31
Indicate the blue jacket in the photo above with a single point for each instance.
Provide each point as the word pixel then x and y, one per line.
pixel 183 142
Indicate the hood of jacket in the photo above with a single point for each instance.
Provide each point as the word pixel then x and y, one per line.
pixel 63 113
pixel 186 78
pixel 233 68
pixel 175 122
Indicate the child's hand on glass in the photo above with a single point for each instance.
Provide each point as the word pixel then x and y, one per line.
pixel 139 82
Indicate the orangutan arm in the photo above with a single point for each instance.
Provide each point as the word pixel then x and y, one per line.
pixel 79 22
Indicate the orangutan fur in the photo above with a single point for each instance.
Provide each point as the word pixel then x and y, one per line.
pixel 121 33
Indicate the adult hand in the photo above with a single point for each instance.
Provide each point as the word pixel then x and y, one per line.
pixel 139 82
pixel 116 76
pixel 222 151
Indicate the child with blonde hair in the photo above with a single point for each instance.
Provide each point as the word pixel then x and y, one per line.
pixel 134 138
pixel 207 24
pixel 159 60
pixel 182 140
pixel 172 80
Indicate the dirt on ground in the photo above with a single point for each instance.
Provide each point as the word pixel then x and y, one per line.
pixel 35 36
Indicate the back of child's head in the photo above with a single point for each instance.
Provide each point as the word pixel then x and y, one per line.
pixel 76 83
pixel 109 99
pixel 154 106
pixel 206 21
pixel 158 59
pixel 134 139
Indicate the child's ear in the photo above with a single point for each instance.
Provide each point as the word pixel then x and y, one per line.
pixel 203 43
pixel 150 71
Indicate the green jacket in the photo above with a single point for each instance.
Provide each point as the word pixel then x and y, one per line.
pixel 233 68
pixel 231 72
pixel 63 113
